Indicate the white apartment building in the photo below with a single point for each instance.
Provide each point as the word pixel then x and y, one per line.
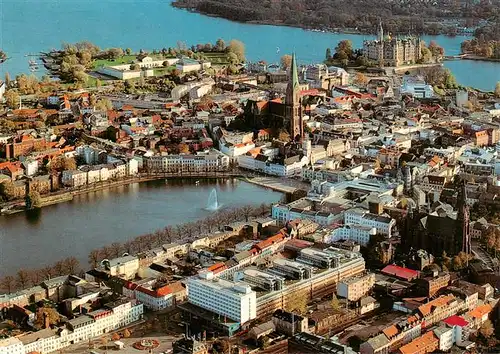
pixel 383 224
pixel 155 300
pixel 74 178
pixel 357 233
pixel 30 167
pixel 188 163
pixel 416 87
pixel 283 213
pixel 291 167
pixel 237 301
pixel 80 329
pixel 126 266
pixel 11 346
pixel 90 154
pixel 233 150
pixel 355 288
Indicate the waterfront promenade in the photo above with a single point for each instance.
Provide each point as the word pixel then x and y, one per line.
pixel 66 194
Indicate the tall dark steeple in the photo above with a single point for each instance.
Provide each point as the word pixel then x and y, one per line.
pixel 463 233
pixel 381 45
pixel 293 108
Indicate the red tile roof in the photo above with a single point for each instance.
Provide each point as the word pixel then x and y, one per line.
pixel 400 272
pixel 160 292
pixel 270 241
pixel 217 267
pixel 480 311
pixel 456 321
pixel 426 343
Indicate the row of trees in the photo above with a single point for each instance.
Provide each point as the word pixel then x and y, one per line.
pixel 486 42
pixel 489 49
pixel 25 278
pixel 439 76
pixel 26 85
pixel 179 233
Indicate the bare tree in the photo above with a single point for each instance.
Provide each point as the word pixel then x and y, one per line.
pixel 94 258
pixel 59 268
pixel 208 223
pixel 23 278
pixel 35 276
pixel 137 244
pixel 72 265
pixel 106 252
pixel 246 211
pixel 264 209
pixel 116 249
pixel 46 272
pixel 168 233
pixel 8 283
pixel 128 247
pixel 199 227
pixel 159 236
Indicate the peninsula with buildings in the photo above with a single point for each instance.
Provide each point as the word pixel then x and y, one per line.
pixel 386 242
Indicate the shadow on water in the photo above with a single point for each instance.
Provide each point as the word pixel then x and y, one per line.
pixel 33 216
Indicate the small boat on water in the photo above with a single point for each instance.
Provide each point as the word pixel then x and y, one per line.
pixel 197 183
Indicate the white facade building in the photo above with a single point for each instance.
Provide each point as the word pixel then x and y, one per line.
pixel 126 266
pixel 155 300
pixel 383 224
pixel 124 71
pixel 357 233
pixel 237 301
pixel 11 346
pixel 80 329
pixel 30 167
pixel 74 178
pixel 213 161
pixel 283 213
pixel 416 87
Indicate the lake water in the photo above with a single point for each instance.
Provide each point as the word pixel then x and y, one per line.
pixel 93 220
pixel 30 26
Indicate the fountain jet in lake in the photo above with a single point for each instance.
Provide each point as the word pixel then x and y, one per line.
pixel 212 203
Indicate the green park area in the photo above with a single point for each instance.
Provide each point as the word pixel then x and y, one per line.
pixel 216 58
pixel 125 59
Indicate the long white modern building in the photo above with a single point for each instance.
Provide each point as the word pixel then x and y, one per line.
pixel 236 300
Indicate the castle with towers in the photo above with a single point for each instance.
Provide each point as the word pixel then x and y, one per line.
pixel 392 51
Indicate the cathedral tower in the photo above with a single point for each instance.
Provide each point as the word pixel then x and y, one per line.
pixel 381 45
pixel 293 107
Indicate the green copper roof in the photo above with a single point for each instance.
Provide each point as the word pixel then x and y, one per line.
pixel 295 75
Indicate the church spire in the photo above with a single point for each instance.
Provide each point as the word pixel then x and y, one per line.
pixel 294 74
pixel 293 107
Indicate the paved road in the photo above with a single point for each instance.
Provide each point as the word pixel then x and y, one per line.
pixel 484 256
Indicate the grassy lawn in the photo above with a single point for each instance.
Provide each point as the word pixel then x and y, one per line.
pixel 163 71
pixel 216 57
pixel 126 59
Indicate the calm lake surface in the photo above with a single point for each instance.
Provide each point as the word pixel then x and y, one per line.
pixel 31 26
pixel 93 220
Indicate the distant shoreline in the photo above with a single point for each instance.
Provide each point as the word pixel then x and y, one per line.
pixel 178 5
